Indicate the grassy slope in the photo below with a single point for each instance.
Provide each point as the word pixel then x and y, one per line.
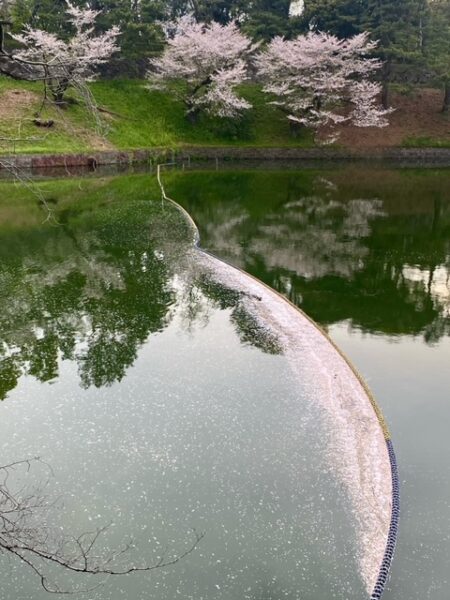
pixel 139 118
pixel 147 119
pixel 18 102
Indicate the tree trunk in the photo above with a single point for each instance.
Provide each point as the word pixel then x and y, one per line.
pixel 446 105
pixel 192 111
pixel 385 95
pixel 58 89
pixel 295 129
pixel 436 215
pixel 18 70
pixel 192 116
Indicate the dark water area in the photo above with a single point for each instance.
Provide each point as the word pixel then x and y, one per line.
pixel 366 253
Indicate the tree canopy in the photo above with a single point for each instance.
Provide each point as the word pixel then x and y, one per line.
pixel 412 35
pixel 399 27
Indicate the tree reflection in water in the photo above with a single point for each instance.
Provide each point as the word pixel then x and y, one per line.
pixel 83 295
pixel 93 289
pixel 367 246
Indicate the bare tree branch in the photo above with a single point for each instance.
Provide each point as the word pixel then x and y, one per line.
pixel 23 536
pixel 27 182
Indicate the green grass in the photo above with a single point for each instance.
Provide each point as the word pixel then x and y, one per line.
pixel 157 119
pixel 425 142
pixel 66 136
pixel 141 119
pixel 21 208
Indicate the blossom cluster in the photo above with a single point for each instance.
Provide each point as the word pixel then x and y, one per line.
pixel 211 60
pixel 319 79
pixel 76 57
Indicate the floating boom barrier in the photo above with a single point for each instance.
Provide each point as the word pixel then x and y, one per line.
pixel 376 584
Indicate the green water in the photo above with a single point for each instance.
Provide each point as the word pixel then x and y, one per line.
pixel 160 405
pixel 163 405
pixel 365 252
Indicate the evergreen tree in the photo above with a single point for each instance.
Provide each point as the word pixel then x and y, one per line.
pixel 437 46
pixel 399 28
pixel 264 19
pixel 141 35
pixel 4 9
pixel 343 18
pixel 261 19
pixel 48 15
pixel 222 11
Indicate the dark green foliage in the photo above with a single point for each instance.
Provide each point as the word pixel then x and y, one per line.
pixel 437 46
pixel 268 18
pixel 50 15
pixel 141 35
pixel 222 11
pixel 342 18
pixel 10 371
pixel 399 27
pixel 262 19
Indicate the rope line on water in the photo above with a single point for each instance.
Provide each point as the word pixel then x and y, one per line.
pixel 383 575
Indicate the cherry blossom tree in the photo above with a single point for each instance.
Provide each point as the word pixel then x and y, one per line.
pixel 318 79
pixel 72 62
pixel 210 60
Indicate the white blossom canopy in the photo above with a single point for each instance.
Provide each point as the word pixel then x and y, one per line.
pixel 212 61
pixel 313 76
pixel 74 58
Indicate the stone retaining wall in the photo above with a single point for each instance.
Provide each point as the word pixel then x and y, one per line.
pixel 91 160
pixel 414 156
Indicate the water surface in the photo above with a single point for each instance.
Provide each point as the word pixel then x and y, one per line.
pixel 165 401
pixel 365 251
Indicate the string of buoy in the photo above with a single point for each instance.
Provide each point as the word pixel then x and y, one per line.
pixel 386 564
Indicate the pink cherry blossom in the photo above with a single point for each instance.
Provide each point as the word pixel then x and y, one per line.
pixel 314 76
pixel 211 61
pixel 62 61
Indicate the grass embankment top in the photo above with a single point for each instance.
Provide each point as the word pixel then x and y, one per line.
pixel 138 118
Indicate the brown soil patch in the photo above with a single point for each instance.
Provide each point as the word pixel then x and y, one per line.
pixel 13 103
pixel 89 138
pixel 98 143
pixel 416 116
